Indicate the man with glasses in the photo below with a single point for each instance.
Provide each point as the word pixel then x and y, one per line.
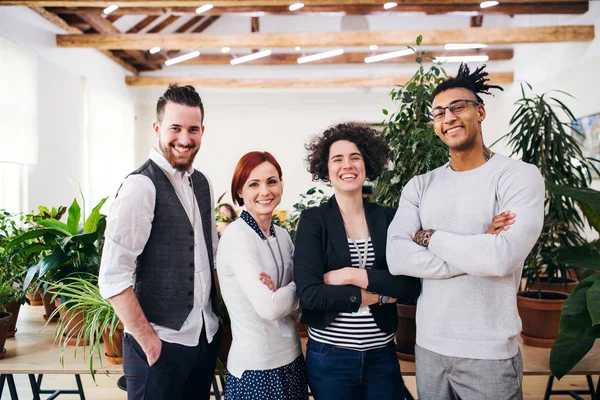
pixel 467 319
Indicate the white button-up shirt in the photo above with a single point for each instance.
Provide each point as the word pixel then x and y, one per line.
pixel 129 223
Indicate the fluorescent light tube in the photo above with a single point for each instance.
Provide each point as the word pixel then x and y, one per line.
pixel 203 8
pixel 296 6
pixel 387 56
pixel 250 57
pixel 110 9
pixel 451 59
pixel 320 56
pixel 225 49
pixel 487 4
pixel 464 46
pixel 182 58
pixel 389 5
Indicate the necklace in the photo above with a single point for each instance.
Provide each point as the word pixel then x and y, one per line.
pixel 364 253
pixel 280 269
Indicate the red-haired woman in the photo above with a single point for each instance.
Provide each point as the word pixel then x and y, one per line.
pixel 254 264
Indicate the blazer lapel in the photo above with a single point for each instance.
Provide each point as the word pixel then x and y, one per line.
pixel 337 233
pixel 378 230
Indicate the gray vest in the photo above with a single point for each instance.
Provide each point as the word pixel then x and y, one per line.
pixel 164 283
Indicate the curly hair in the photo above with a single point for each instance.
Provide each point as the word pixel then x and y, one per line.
pixel 371 144
pixel 475 82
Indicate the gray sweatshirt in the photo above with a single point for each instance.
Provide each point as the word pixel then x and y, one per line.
pixel 468 305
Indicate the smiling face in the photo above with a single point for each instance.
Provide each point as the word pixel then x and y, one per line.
pixel 179 134
pixel 460 132
pixel 262 190
pixel 346 167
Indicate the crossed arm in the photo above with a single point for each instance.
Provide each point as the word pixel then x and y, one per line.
pixel 497 252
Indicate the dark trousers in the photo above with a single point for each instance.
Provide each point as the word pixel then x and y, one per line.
pixel 181 372
pixel 338 373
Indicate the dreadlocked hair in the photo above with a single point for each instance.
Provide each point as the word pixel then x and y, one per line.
pixel 475 82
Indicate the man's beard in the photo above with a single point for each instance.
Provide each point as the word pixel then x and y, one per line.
pixel 168 152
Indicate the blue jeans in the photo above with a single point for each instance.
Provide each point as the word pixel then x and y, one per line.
pixel 338 373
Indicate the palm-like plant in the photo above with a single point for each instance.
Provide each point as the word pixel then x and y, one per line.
pixel 415 148
pixel 86 315
pixel 542 133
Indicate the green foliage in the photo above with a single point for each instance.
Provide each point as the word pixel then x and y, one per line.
pixel 312 198
pixel 82 296
pixel 580 317
pixel 415 148
pixel 542 134
pixel 62 248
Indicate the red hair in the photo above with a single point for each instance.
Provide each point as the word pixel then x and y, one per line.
pixel 244 167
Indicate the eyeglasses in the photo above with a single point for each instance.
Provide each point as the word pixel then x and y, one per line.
pixel 456 107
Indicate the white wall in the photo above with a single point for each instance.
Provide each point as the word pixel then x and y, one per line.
pixel 69 147
pixel 280 122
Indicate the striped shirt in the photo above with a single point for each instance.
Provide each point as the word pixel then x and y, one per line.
pixel 358 330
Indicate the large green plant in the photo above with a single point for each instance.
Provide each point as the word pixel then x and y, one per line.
pixel 580 318
pixel 415 148
pixel 81 298
pixel 313 197
pixel 542 134
pixel 63 249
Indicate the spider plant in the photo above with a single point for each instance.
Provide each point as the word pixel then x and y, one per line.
pixel 85 316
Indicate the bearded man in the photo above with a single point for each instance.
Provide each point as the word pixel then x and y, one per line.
pixel 158 259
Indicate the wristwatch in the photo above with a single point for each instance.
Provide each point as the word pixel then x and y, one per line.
pixel 383 299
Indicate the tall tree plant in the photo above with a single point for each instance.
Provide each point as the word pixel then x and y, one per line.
pixel 414 147
pixel 542 133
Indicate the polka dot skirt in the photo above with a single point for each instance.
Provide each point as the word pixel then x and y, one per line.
pixel 284 383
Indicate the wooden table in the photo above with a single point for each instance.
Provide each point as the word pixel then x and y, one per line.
pixel 33 352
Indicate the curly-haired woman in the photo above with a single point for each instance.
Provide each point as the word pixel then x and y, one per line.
pixel 345 289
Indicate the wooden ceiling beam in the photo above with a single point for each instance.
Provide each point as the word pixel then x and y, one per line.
pixel 56 20
pixel 346 82
pixel 531 7
pixel 346 58
pixel 104 26
pixel 143 24
pixel 206 22
pixel 235 3
pixel 163 24
pixel 490 36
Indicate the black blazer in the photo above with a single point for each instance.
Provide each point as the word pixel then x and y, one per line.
pixel 322 246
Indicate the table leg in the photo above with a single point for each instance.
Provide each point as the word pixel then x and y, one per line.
pixel 2 381
pixel 79 387
pixel 549 387
pixel 12 387
pixel 35 389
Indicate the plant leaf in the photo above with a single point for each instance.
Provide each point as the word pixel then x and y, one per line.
pixel 593 302
pixel 566 352
pixel 74 216
pixel 92 221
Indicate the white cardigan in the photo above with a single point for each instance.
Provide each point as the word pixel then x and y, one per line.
pixel 259 317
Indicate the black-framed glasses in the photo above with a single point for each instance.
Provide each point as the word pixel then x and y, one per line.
pixel 456 107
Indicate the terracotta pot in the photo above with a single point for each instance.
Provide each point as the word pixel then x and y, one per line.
pixel 226 339
pixel 113 351
pixel 555 285
pixel 540 316
pixel 74 326
pixel 5 320
pixel 35 298
pixel 406 332
pixel 13 307
pixel 302 329
pixel 49 306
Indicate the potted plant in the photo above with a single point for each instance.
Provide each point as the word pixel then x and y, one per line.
pixel 542 133
pixel 63 249
pixel 415 150
pixel 580 317
pixel 87 320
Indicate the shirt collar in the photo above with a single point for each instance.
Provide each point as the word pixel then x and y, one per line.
pixel 254 225
pixel 163 163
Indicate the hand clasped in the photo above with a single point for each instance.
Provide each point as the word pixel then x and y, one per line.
pixel 422 238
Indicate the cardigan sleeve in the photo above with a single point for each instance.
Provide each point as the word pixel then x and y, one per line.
pixel 241 255
pixel 309 268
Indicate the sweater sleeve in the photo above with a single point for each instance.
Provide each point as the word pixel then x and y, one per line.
pixel 309 268
pixel 405 257
pixel 520 190
pixel 242 256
